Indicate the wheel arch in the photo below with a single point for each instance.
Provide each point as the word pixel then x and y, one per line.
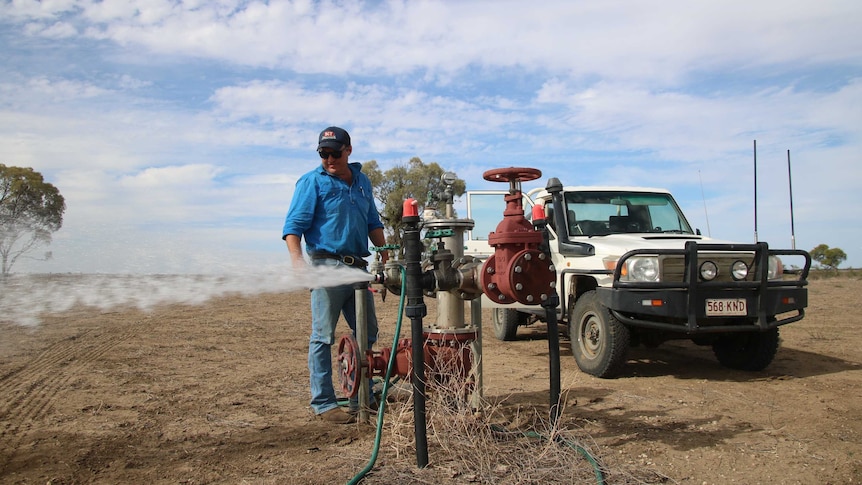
pixel 576 285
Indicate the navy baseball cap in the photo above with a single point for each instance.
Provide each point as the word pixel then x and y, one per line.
pixel 333 137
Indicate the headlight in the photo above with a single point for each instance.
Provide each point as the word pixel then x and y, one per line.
pixel 776 269
pixel 641 268
pixel 739 270
pixel 708 271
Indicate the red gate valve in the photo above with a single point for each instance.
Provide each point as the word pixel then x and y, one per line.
pixel 518 271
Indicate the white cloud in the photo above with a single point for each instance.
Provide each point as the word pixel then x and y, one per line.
pixel 197 117
pixel 44 90
pixel 58 30
pixel 178 176
pixel 36 9
pixel 661 41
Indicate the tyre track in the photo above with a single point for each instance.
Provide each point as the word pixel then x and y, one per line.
pixel 27 394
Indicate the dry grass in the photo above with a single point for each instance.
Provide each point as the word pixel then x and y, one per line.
pixel 491 444
pixel 823 274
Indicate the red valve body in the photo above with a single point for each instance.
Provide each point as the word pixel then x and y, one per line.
pixel 518 270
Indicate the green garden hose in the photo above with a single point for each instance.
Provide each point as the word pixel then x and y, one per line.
pixel 382 402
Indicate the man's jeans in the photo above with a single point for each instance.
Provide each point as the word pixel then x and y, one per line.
pixel 326 305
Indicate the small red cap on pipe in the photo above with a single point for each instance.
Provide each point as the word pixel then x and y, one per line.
pixel 411 208
pixel 538 213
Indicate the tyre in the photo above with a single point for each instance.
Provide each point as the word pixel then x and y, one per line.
pixel 751 351
pixel 506 323
pixel 599 341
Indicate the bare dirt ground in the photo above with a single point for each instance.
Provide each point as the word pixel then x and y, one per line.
pixel 217 393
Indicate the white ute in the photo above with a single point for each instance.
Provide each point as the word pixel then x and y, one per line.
pixel 632 271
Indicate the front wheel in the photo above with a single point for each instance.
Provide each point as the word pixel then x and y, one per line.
pixel 506 323
pixel 599 341
pixel 752 351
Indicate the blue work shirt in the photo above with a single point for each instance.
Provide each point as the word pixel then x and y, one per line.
pixel 332 216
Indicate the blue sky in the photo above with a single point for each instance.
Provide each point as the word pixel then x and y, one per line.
pixel 176 130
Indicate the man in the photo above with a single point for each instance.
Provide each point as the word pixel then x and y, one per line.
pixel 333 208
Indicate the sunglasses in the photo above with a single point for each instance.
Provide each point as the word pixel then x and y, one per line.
pixel 334 153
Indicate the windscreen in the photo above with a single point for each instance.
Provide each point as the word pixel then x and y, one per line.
pixel 599 213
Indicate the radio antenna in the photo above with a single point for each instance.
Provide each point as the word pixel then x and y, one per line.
pixel 755 191
pixel 702 196
pixel 790 184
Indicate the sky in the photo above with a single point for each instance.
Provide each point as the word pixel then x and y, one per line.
pixel 177 130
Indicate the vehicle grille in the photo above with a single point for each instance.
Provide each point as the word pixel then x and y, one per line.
pixel 673 266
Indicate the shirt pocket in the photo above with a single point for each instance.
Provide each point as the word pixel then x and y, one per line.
pixel 362 198
pixel 333 198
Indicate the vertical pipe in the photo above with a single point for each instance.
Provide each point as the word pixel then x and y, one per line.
pixel 553 358
pixel 416 310
pixel 553 301
pixel 450 311
pixel 790 183
pixel 450 307
pixel 476 347
pixel 360 295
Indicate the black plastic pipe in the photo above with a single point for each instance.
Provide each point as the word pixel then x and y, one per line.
pixel 416 310
pixel 550 307
pixel 550 304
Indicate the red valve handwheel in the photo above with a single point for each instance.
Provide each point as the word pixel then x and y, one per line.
pixel 349 366
pixel 512 173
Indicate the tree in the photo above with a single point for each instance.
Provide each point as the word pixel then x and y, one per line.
pixel 30 211
pixel 416 180
pixel 829 257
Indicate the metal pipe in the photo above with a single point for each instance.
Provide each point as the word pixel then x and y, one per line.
pixel 476 347
pixel 450 306
pixel 360 295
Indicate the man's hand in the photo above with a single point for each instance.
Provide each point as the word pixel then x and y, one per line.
pixel 294 246
pixel 379 240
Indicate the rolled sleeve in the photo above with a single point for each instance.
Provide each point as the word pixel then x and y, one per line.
pixel 301 212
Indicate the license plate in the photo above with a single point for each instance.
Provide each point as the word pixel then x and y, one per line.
pixel 726 307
